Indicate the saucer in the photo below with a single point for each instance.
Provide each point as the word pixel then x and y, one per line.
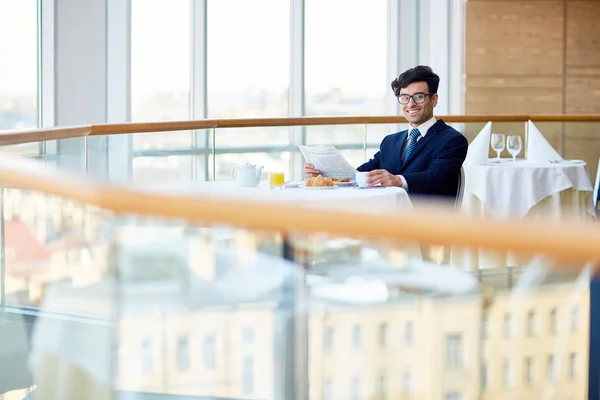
pixel 292 185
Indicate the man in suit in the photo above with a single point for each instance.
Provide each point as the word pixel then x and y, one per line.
pixel 426 158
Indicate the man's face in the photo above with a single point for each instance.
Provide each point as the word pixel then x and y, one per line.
pixel 415 113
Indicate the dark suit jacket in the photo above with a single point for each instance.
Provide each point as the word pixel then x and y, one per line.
pixel 433 167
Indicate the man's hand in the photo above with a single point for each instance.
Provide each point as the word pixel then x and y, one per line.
pixel 383 177
pixel 309 171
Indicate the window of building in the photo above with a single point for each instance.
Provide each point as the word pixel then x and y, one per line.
pixel 574 319
pixel 356 389
pixel 407 382
pixel 507 326
pixel 529 377
pixel 454 351
pixel 147 356
pixel 328 339
pixel 485 327
pixel 381 387
pixel 328 390
pixel 356 336
pixel 531 323
pixel 572 365
pixel 551 368
pixel 248 335
pixel 553 322
pixel 453 396
pixel 408 333
pixel 115 359
pixel 183 354
pixel 248 378
pixel 507 374
pixel 484 376
pixel 210 351
pixel 383 334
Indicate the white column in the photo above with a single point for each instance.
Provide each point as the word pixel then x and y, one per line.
pixel 439 50
pixel 86 81
pixel 198 76
pixel 296 90
pixel 79 74
pixel 456 78
pixel 442 34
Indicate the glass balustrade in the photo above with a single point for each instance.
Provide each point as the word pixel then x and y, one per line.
pixel 131 307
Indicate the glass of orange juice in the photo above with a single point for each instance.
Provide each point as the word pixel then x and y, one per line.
pixel 276 180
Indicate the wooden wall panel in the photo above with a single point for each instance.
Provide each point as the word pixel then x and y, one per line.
pixel 587 150
pixel 583 38
pixel 514 38
pixel 583 95
pixel 514 94
pixel 508 101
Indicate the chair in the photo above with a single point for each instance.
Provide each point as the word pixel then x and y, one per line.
pixel 444 257
pixel 460 191
pixel 596 194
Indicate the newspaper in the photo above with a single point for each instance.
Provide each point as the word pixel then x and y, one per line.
pixel 329 161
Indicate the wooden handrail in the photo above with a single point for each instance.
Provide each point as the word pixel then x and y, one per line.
pixel 36 135
pixel 567 241
pixel 134 127
pixel 43 134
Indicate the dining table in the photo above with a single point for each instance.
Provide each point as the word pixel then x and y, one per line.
pixel 344 196
pixel 521 189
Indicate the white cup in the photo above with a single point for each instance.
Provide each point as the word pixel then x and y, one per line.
pixel 361 179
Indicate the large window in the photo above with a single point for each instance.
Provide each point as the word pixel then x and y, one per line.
pixel 19 68
pixel 345 68
pixel 160 67
pixel 160 85
pixel 233 60
pixel 248 59
pixel 248 53
pixel 346 57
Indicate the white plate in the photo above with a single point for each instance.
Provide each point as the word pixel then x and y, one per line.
pixel 292 185
pixel 344 184
pixel 563 162
pixel 319 187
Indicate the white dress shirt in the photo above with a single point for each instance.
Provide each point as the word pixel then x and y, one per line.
pixel 423 129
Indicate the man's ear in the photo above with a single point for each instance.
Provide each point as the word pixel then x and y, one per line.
pixel 434 99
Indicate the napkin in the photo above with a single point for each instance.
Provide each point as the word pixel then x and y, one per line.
pixel 479 148
pixel 538 148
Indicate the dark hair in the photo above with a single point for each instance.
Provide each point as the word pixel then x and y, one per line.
pixel 421 73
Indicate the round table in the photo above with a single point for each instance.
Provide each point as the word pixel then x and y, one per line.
pixel 522 190
pixel 510 189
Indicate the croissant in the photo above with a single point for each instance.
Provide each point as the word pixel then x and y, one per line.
pixel 319 181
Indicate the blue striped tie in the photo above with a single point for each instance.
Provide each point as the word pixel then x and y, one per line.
pixel 414 135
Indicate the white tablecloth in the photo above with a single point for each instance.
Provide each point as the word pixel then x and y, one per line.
pixel 512 189
pixel 522 190
pixel 373 200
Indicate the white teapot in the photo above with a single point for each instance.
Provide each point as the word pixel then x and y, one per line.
pixel 247 174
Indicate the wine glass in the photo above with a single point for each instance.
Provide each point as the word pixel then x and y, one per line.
pixel 513 145
pixel 498 143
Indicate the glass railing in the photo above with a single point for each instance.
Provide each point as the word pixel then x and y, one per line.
pixel 110 292
pixel 134 307
pixel 208 150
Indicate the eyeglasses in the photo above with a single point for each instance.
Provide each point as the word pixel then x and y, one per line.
pixel 418 98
